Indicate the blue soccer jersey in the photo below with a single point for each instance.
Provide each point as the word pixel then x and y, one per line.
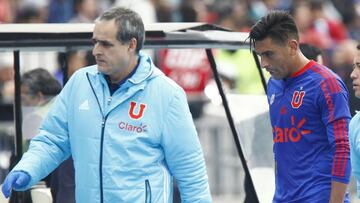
pixel 309 117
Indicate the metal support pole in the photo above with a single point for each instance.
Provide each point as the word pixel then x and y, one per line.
pixel 17 197
pixel 232 126
pixel 17 107
pixel 263 81
pixel 64 67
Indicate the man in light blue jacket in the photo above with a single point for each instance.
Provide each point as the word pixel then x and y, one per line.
pixel 354 127
pixel 127 126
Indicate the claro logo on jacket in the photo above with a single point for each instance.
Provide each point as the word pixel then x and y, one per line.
pixel 136 112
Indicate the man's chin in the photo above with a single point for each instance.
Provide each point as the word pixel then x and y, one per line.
pixel 276 77
pixel 102 69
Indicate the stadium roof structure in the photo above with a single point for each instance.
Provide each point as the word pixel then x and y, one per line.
pixel 158 35
pixel 66 37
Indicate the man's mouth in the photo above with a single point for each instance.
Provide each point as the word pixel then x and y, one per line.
pixel 99 61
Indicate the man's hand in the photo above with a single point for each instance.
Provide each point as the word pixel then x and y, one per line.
pixel 338 191
pixel 16 180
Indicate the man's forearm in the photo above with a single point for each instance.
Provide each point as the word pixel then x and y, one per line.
pixel 338 191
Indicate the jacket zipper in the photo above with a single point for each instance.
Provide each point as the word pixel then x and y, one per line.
pixel 147 191
pixel 103 122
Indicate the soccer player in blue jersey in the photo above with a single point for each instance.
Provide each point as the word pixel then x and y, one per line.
pixel 309 116
pixel 354 128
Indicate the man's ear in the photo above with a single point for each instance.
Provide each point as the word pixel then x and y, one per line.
pixel 132 44
pixel 293 46
pixel 40 98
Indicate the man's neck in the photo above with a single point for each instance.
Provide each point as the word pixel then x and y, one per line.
pixel 299 62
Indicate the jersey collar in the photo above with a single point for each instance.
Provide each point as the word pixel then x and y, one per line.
pixel 303 69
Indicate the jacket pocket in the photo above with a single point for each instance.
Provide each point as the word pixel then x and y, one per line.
pixel 147 192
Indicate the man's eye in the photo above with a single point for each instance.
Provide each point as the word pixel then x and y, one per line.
pixel 269 54
pixel 104 43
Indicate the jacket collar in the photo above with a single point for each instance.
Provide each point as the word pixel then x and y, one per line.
pixel 144 71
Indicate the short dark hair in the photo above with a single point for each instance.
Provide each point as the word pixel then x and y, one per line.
pixel 40 80
pixel 129 25
pixel 310 51
pixel 279 25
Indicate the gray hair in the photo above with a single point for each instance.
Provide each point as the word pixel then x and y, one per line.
pixel 129 25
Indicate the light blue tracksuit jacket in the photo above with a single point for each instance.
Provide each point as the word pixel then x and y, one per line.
pixel 354 140
pixel 126 147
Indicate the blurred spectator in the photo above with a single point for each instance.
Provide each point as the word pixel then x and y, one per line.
pixel 75 60
pixel 342 63
pixel 233 15
pixel 259 8
pixel 194 11
pixel 29 15
pixel 346 9
pixel 6 77
pixel 104 5
pixel 38 88
pixel 60 11
pixel 354 24
pixel 238 67
pixel 189 68
pixel 333 28
pixel 342 58
pixel 34 11
pixel 30 11
pixel 7 11
pixel 145 8
pixel 85 11
pixel 63 182
pixel 308 34
pixel 312 52
pixel 164 10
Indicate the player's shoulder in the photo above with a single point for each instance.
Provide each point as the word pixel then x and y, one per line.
pixel 321 72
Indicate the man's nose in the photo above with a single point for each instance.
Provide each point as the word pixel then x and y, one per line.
pixel 95 50
pixel 264 63
pixel 353 73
